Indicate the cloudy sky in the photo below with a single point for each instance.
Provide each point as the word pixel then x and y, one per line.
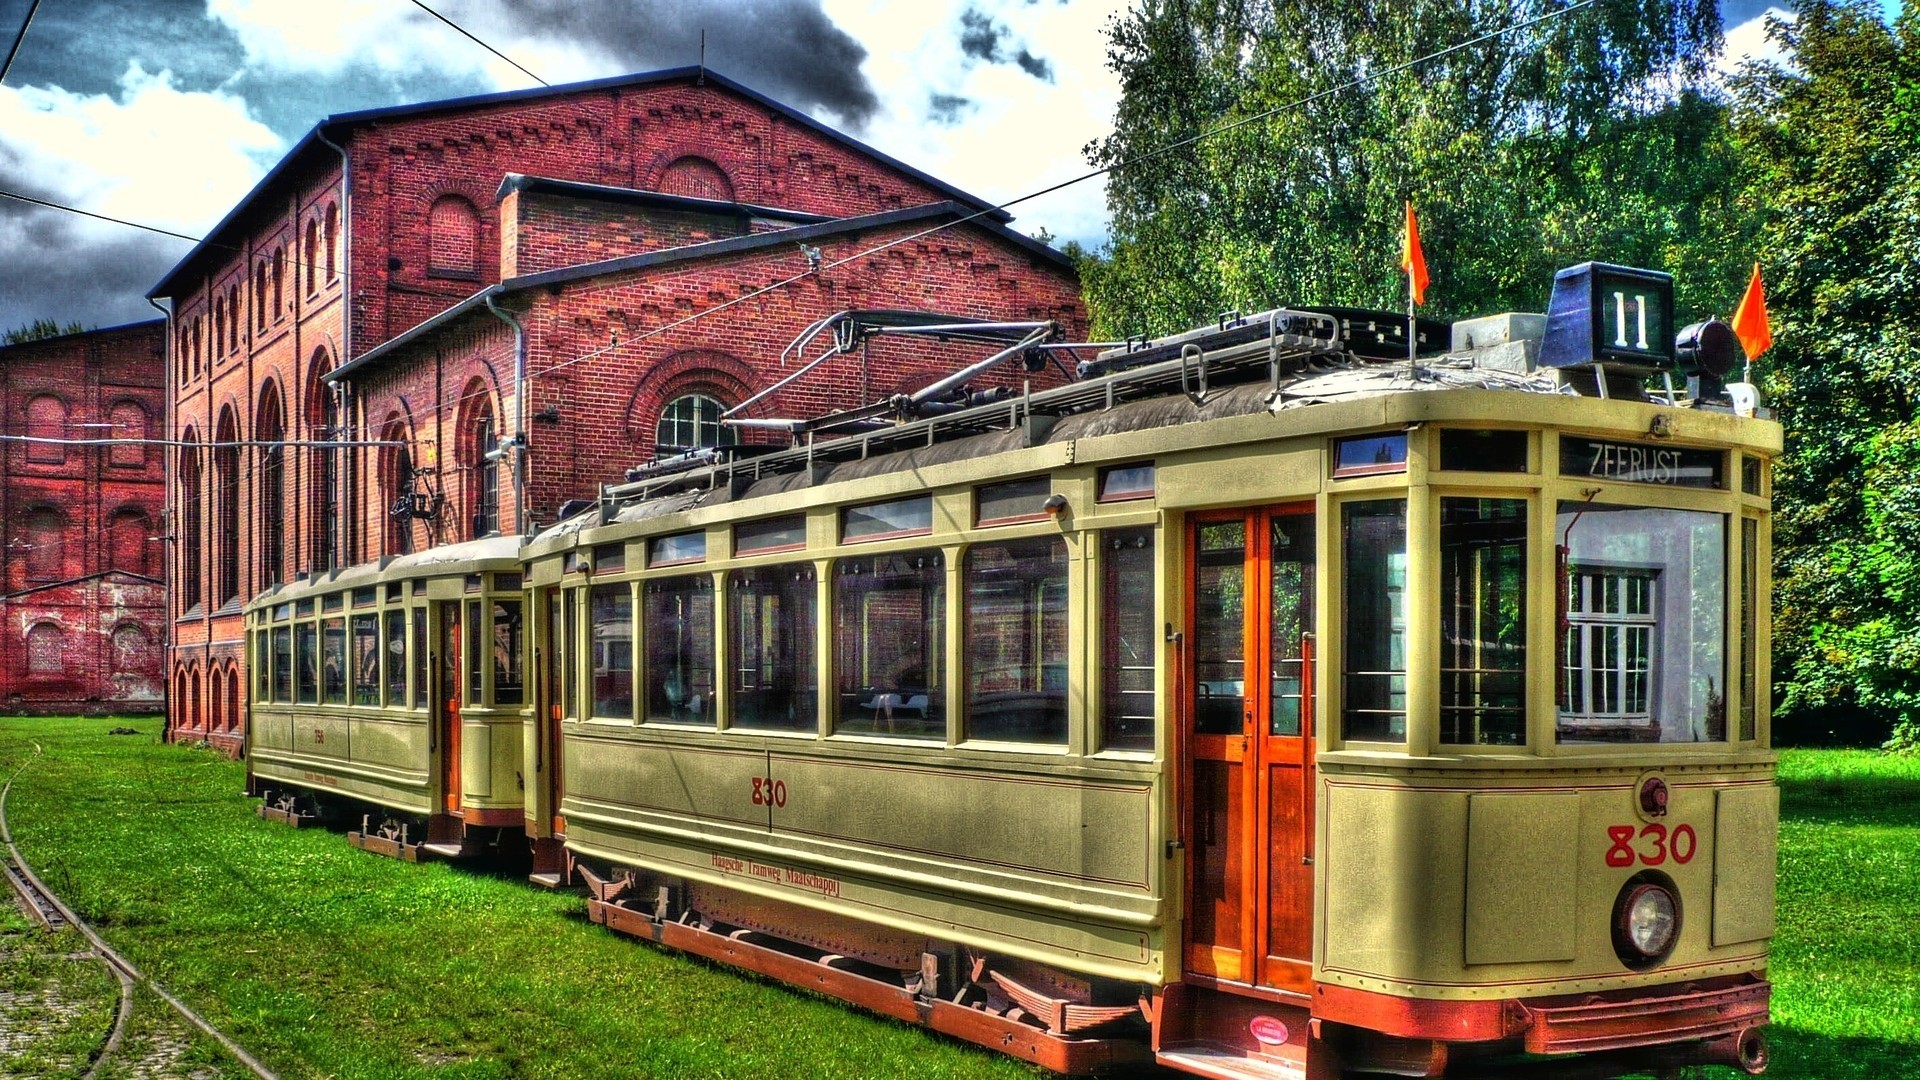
pixel 165 112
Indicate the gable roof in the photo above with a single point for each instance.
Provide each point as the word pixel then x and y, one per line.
pixel 319 143
pixel 930 212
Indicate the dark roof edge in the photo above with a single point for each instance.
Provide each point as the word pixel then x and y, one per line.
pixel 165 287
pixel 667 256
pixel 138 324
pixel 546 185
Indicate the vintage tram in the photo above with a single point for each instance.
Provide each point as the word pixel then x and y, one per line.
pixel 1255 703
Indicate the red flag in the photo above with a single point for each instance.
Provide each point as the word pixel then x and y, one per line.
pixel 1412 261
pixel 1750 318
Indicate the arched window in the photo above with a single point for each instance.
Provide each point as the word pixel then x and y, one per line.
pixel 219 330
pixel 46 538
pixel 226 478
pixel 260 296
pixel 46 419
pixel 269 429
pixel 323 419
pixel 453 232
pixel 46 646
pixel 129 429
pixel 310 262
pixel 486 477
pixel 235 317
pixel 197 340
pixel 698 177
pixel 396 481
pixel 690 422
pixel 133 651
pixel 188 539
pixel 331 243
pixel 279 282
pixel 127 545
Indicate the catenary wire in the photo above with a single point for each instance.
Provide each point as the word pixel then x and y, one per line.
pixel 17 39
pixel 482 44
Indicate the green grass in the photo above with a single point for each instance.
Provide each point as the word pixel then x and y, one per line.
pixel 328 962
pixel 324 961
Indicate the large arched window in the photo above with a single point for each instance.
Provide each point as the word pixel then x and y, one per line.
pixel 236 317
pixel 485 441
pixel 698 177
pixel 310 255
pixel 46 538
pixel 226 497
pixel 260 296
pixel 46 648
pixel 127 533
pixel 269 429
pixel 133 651
pixel 396 483
pixel 323 420
pixel 188 538
pixel 690 422
pixel 279 282
pixel 331 242
pixel 130 432
pixel 46 419
pixel 453 232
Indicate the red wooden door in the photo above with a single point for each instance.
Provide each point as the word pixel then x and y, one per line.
pixel 1249 711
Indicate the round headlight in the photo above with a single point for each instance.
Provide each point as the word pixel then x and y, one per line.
pixel 1646 922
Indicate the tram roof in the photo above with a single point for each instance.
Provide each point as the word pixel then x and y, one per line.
pixel 467 557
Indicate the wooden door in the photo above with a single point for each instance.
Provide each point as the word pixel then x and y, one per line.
pixel 1249 717
pixel 448 649
pixel 557 697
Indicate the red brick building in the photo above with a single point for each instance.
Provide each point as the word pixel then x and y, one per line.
pixel 402 273
pixel 82 590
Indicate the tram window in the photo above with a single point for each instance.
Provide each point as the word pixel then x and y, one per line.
pixel 1370 455
pixel 613 651
pixel 1750 475
pixel 476 659
pixel 1643 651
pixel 1373 567
pixel 889 615
pixel 774 631
pixel 884 521
pixel 1128 625
pixel 303 608
pixel 282 612
pixel 366 595
pixel 282 664
pixel 608 558
pixel 570 675
pixel 262 667
pixel 556 672
pixel 1483 451
pixel 333 661
pixel 306 639
pixel 366 659
pixel 677 550
pixel 1123 482
pixel 1014 640
pixel 396 654
pixel 1219 627
pixel 678 615
pixel 1483 621
pixel 1020 500
pixel 508 688
pixel 1749 624
pixel 421 692
pixel 774 534
pixel 333 602
pixel 506 583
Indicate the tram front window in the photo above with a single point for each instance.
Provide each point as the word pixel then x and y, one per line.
pixel 1374 629
pixel 1483 621
pixel 1643 639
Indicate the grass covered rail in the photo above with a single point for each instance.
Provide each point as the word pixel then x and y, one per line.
pixel 324 961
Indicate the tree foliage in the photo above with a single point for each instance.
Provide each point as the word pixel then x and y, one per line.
pixel 1576 138
pixel 39 330
pixel 1836 142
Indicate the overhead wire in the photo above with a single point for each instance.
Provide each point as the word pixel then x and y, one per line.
pixel 469 36
pixel 14 49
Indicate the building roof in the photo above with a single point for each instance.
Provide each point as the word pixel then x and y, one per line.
pixel 318 143
pixel 948 211
pixel 574 189
pixel 143 324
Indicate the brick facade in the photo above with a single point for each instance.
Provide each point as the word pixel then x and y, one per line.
pixel 321 266
pixel 82 574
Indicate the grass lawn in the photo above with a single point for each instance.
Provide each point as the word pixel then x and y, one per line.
pixel 328 962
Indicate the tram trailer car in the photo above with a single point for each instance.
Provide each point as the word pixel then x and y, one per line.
pixel 1258 704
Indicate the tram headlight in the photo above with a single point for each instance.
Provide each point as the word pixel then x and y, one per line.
pixel 1646 920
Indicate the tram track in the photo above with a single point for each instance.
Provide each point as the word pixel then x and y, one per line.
pixel 50 911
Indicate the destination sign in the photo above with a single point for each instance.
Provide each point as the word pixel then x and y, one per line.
pixel 1638 463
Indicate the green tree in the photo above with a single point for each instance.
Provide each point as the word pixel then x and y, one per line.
pixel 40 330
pixel 1524 153
pixel 1838 139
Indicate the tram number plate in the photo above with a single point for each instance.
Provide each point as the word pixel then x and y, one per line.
pixel 769 792
pixel 1651 845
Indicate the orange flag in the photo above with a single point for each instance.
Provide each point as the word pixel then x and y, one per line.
pixel 1750 318
pixel 1412 261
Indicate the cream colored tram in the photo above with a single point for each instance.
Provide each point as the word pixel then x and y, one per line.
pixel 393 694
pixel 1267 710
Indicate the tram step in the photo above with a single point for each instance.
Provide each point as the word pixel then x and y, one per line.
pixel 444 851
pixel 1228 1063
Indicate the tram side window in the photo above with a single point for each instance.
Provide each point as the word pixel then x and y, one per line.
pixel 508 687
pixel 366 659
pixel 1483 621
pixel 1374 623
pixel 1127 640
pixel 1643 650
pixel 476 655
pixel 678 615
pixel 306 639
pixel 613 651
pixel 262 667
pixel 283 663
pixel 1749 625
pixel 889 615
pixel 333 661
pixel 396 654
pixel 774 630
pixel 564 641
pixel 1014 637
pixel 420 660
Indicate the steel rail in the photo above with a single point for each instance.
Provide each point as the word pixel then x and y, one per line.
pixel 120 965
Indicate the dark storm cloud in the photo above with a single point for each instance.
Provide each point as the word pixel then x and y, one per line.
pixel 84 45
pixel 1034 66
pixel 65 272
pixel 979 37
pixel 948 109
pixel 786 49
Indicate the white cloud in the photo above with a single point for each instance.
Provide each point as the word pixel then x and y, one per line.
pixel 1749 42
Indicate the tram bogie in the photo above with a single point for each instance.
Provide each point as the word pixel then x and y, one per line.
pixel 1271 712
